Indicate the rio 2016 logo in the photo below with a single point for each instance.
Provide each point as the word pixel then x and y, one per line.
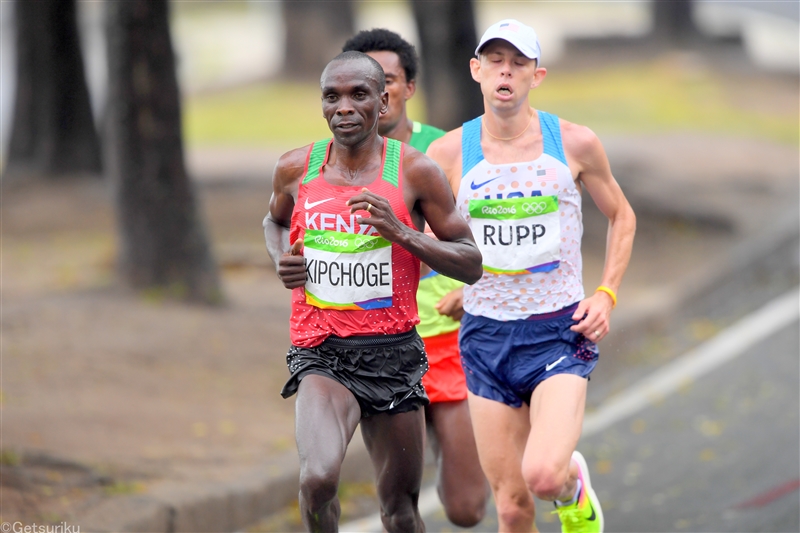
pixel 331 241
pixel 499 210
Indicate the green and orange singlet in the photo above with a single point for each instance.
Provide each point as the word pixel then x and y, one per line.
pixel 357 282
pixel 433 286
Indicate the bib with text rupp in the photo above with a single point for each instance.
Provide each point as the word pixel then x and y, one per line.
pixel 346 271
pixel 517 235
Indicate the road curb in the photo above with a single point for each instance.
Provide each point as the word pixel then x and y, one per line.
pixel 172 507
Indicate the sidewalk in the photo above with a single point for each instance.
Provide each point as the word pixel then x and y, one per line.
pixel 131 414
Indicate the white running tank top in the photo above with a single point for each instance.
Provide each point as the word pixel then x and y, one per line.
pixel 526 219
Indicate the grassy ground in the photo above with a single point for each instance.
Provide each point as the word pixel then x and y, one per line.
pixel 672 93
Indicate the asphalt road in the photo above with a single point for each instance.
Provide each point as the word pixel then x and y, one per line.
pixel 719 449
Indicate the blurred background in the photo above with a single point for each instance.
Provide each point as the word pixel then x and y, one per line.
pixel 144 330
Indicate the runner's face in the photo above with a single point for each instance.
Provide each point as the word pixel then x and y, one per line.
pixel 397 86
pixel 351 102
pixel 505 74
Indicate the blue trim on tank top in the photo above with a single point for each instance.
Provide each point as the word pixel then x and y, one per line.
pixel 472 154
pixel 551 136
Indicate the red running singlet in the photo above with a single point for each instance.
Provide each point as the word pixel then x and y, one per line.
pixel 322 206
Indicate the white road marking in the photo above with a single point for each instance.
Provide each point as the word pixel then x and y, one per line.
pixel 428 504
pixel 727 345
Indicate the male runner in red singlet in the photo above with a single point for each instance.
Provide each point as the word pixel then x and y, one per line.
pixel 528 335
pixel 344 228
pixel 461 484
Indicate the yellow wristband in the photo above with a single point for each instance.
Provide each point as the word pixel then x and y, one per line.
pixel 610 293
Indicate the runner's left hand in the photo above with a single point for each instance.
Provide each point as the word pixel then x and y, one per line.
pixel 452 304
pixel 592 315
pixel 380 215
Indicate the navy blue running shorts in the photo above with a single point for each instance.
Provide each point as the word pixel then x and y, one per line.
pixel 505 361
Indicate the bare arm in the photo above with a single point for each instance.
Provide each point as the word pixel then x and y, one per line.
pixel 586 155
pixel 455 253
pixel 288 259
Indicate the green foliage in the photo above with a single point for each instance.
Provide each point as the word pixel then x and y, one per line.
pixel 9 458
pixel 662 96
pixel 277 114
pixel 123 488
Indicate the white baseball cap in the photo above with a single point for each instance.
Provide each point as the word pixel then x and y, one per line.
pixel 518 34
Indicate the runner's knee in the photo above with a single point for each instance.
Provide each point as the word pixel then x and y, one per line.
pixel 466 514
pixel 466 508
pixel 400 520
pixel 545 481
pixel 318 487
pixel 514 508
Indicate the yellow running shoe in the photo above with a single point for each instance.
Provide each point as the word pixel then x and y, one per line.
pixel 585 515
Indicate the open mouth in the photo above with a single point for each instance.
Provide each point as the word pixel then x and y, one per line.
pixel 505 90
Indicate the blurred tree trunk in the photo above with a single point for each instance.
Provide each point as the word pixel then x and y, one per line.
pixel 447 37
pixel 316 30
pixel 52 131
pixel 672 22
pixel 163 242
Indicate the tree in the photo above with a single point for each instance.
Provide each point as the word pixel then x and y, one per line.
pixel 163 241
pixel 53 132
pixel 316 30
pixel 447 38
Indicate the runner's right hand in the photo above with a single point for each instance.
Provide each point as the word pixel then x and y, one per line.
pixel 292 267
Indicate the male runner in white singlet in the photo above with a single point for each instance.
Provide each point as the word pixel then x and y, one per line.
pixel 528 336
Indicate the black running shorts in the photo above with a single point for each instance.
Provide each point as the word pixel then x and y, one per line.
pixel 384 372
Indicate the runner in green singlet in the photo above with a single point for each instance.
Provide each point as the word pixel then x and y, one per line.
pixel 461 484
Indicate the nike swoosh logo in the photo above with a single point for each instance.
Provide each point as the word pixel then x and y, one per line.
pixel 479 185
pixel 594 515
pixel 309 205
pixel 547 368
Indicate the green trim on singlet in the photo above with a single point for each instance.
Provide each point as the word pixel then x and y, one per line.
pixel 315 160
pixel 422 135
pixel 391 164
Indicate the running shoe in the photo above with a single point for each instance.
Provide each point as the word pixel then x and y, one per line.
pixel 585 515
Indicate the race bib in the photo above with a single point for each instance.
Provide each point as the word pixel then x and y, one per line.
pixel 346 271
pixel 517 235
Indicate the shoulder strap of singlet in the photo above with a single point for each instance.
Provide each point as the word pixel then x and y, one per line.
pixel 393 150
pixel 551 136
pixel 316 158
pixel 471 153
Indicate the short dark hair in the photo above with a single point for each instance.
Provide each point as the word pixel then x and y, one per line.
pixel 383 40
pixel 354 55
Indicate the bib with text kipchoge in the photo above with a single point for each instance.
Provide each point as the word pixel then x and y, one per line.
pixel 346 271
pixel 517 235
